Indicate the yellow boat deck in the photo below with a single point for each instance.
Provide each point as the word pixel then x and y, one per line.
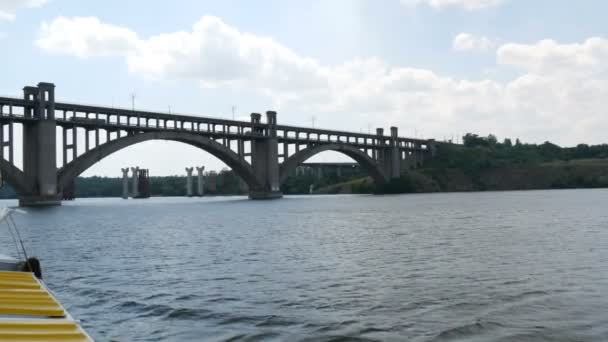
pixel 29 313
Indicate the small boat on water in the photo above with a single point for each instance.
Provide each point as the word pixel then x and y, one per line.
pixel 29 312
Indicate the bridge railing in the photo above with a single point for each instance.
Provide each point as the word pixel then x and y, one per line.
pixel 307 134
pixel 91 117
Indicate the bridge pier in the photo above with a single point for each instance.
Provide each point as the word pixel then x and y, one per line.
pixel 265 157
pixel 125 183
pixel 189 181
pixel 39 154
pixel 393 162
pixel 200 180
pixel 135 184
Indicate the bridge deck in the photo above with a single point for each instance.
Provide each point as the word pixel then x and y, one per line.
pixel 120 119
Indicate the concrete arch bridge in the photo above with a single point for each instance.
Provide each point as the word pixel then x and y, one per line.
pixel 262 153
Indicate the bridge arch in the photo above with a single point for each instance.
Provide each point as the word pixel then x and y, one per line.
pixel 77 166
pixel 359 156
pixel 14 177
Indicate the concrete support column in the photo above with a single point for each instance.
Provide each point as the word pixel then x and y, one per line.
pixel 64 150
pixel 241 148
pixel 189 181
pixel 265 158
pixel 380 136
pixel 379 151
pixel 30 94
pixel 39 150
pixel 125 183
pixel 393 162
pixel 255 131
pixel 201 180
pixel 6 141
pixel 135 182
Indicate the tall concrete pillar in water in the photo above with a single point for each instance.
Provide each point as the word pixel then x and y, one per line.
pixel 379 151
pixel 39 151
pixel 394 155
pixel 189 181
pixel 201 180
pixel 125 183
pixel 265 157
pixel 135 183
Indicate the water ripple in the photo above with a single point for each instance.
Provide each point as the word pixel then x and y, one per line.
pixel 518 266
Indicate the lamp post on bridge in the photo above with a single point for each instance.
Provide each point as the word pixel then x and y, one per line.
pixel 133 101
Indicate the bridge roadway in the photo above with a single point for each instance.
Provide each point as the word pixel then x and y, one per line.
pixel 261 153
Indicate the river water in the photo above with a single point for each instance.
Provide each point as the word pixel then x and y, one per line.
pixel 494 266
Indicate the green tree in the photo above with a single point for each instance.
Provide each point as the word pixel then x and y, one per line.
pixel 492 140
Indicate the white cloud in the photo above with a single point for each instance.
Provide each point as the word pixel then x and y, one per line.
pixel 213 53
pixel 559 94
pixel 9 7
pixel 466 41
pixel 550 57
pixel 218 54
pixel 469 5
pixel 85 37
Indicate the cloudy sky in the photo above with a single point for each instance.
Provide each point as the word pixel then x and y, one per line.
pixel 534 70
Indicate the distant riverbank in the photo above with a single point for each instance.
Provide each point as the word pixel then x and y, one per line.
pixel 480 164
pixel 582 173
